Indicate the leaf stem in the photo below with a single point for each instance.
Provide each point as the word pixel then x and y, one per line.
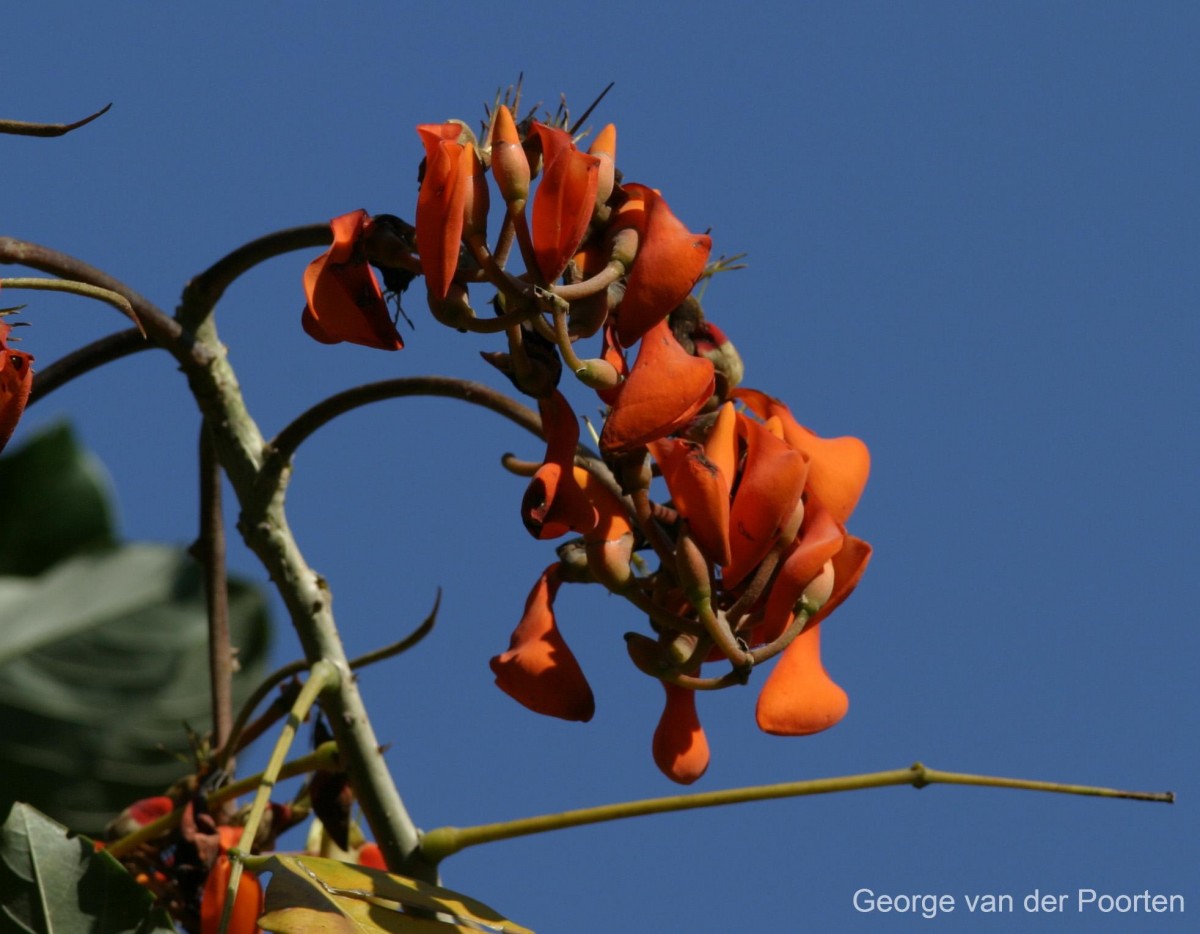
pixel 211 552
pixel 322 677
pixel 437 844
pixel 116 299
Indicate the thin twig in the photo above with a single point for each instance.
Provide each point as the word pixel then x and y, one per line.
pixel 437 844
pixel 85 359
pixel 299 666
pixel 211 552
pixel 24 128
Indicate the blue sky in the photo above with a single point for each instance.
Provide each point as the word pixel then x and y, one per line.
pixel 973 243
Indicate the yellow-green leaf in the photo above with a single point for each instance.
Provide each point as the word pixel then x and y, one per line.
pixel 310 894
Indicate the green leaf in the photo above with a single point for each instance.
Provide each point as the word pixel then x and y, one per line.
pixel 308 894
pixel 104 660
pixel 54 883
pixel 63 507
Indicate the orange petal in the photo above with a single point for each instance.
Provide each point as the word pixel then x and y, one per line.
pixel 768 492
pixel 720 446
pixel 680 746
pixel 344 300
pixel 246 908
pixel 838 467
pixel 700 491
pixel 669 261
pixel 666 388
pixel 538 670
pixel 819 540
pixel 440 205
pixel 563 202
pixel 554 503
pixel 798 696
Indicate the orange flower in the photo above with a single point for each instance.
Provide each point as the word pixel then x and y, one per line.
pixel 769 489
pixel 344 300
pixel 16 379
pixel 798 696
pixel 538 670
pixel 699 489
pixel 680 746
pixel 669 261
pixel 666 388
pixel 247 906
pixel 440 203
pixel 564 200
pixel 838 467
pixel 554 503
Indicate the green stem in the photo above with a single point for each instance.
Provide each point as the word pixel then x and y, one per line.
pixel 323 676
pixel 437 844
pixel 116 299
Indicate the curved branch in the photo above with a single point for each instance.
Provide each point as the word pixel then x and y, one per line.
pixel 280 450
pixel 85 359
pixel 160 327
pixel 203 292
pixel 23 128
pixel 74 287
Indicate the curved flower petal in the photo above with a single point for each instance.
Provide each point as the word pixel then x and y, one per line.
pixel 440 204
pixel 666 388
pixel 798 696
pixel 554 502
pixel 838 467
pixel 772 481
pixel 680 746
pixel 700 491
pixel 538 670
pixel 721 445
pixel 669 261
pixel 564 201
pixel 819 540
pixel 344 300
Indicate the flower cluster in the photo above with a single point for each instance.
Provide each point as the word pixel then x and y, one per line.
pixel 188 869
pixel 744 508
pixel 16 379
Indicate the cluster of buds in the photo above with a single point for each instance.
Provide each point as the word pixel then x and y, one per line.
pixel 16 379
pixel 750 537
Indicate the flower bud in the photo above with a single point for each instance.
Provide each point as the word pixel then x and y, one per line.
pixel 818 592
pixel 605 149
pixel 608 561
pixel 712 344
pixel 598 374
pixel 510 165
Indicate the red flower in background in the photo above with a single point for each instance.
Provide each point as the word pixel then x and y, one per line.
pixel 16 379
pixel 344 299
